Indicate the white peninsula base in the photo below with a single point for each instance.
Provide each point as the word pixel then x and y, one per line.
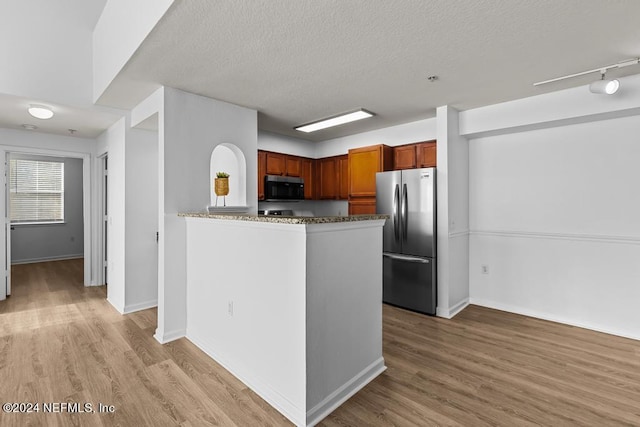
pixel 290 306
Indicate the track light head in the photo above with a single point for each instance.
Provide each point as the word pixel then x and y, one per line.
pixel 605 87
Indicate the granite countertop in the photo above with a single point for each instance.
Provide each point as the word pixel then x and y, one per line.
pixel 285 219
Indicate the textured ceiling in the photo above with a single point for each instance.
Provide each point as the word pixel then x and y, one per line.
pixel 296 61
pixel 85 122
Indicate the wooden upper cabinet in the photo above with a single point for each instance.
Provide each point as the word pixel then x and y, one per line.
pixel 364 163
pixel 362 206
pixel 283 164
pixel 327 178
pixel 343 177
pixel 405 157
pixel 308 172
pixel 262 171
pixel 276 163
pixel 293 166
pixel 427 154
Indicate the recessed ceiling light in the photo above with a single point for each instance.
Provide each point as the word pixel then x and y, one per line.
pixel 335 121
pixel 40 111
pixel 30 127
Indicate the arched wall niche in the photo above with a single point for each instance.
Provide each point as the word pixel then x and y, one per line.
pixel 229 158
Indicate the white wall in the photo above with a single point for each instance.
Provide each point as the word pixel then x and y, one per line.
pixel 141 213
pixel 285 144
pixel 452 180
pixel 43 242
pixel 561 108
pixel 263 341
pixel 190 127
pixel 132 258
pixel 115 139
pixel 554 216
pixel 121 29
pixel 47 58
pixel 407 133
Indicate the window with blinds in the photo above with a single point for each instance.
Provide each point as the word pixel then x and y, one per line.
pixel 36 191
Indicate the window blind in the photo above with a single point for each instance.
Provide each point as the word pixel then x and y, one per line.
pixel 36 191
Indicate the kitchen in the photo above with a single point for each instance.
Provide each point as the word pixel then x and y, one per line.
pixel 509 237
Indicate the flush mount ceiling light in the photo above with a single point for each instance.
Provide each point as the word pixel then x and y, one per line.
pixel 335 121
pixel 40 111
pixel 608 87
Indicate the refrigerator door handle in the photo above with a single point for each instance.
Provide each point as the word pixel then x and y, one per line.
pixel 405 220
pixel 405 258
pixel 396 218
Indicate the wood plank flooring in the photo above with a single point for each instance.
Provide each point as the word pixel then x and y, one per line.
pixel 61 342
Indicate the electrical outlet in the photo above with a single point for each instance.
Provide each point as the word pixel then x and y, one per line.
pixel 485 269
pixel 231 308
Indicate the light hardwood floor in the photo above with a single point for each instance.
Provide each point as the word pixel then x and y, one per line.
pixel 61 342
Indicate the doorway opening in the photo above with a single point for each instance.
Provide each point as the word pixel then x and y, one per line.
pixel 46 206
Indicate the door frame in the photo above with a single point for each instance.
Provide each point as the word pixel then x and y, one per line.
pixel 86 201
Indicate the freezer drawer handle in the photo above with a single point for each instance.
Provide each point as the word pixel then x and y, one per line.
pixel 406 258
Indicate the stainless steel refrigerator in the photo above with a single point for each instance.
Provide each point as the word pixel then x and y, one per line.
pixel 409 238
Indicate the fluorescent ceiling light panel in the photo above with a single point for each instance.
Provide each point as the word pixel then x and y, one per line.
pixel 335 121
pixel 40 111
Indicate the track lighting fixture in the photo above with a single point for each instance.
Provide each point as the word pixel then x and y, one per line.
pixel 608 87
pixel 603 86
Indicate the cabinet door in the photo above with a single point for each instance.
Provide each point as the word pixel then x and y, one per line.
pixel 404 157
pixel 262 171
pixel 427 154
pixel 363 206
pixel 276 163
pixel 364 163
pixel 293 166
pixel 327 185
pixel 308 171
pixel 343 177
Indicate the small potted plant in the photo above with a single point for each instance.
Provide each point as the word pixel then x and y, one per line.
pixel 221 186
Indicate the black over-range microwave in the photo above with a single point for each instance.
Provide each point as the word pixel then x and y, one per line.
pixel 283 188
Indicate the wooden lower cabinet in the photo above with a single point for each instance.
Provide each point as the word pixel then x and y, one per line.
pixel 362 206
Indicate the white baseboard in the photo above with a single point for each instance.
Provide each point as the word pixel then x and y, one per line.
pixel 452 311
pixel 342 394
pixel 45 259
pixel 272 397
pixel 550 317
pixel 165 337
pixel 116 306
pixel 131 308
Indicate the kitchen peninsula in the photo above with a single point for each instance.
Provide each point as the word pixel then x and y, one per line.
pixel 292 306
